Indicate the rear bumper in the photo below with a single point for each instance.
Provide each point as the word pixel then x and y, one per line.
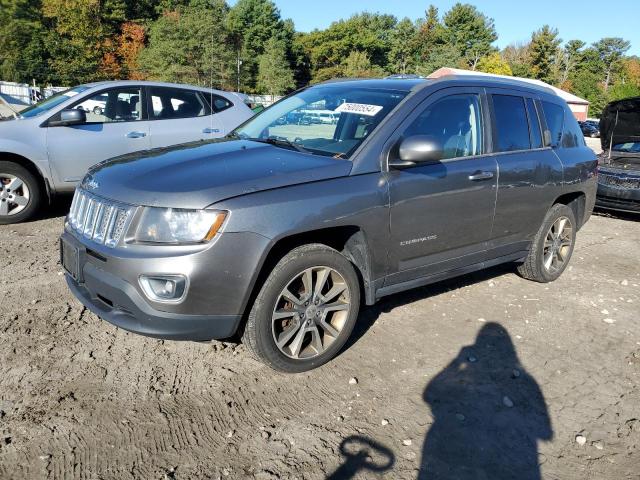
pixel 120 304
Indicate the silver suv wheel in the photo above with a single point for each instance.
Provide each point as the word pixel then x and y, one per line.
pixel 14 194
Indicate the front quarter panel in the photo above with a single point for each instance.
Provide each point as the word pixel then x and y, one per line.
pixel 360 201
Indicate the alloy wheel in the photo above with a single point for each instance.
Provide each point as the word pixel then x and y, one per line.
pixel 14 194
pixel 557 244
pixel 310 312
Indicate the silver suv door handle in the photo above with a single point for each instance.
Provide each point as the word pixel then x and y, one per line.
pixel 481 176
pixel 135 135
pixel 210 130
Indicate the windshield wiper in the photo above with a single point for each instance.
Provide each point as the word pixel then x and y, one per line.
pixel 280 142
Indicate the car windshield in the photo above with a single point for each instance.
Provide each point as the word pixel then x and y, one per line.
pixel 52 102
pixel 331 120
pixel 630 147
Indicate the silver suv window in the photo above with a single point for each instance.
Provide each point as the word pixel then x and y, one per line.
pixel 116 105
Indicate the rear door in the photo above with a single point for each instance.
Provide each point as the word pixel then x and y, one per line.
pixel 116 125
pixel 180 115
pixel 530 172
pixel 442 212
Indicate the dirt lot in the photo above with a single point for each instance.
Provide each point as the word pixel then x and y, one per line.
pixel 480 377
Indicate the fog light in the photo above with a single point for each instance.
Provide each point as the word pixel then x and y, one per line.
pixel 164 288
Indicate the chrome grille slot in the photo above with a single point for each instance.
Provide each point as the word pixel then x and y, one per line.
pixel 98 219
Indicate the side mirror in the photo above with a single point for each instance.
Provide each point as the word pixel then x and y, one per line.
pixel 71 116
pixel 419 149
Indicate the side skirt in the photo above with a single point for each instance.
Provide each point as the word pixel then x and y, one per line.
pixel 422 281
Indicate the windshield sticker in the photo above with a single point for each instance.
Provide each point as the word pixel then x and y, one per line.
pixel 359 108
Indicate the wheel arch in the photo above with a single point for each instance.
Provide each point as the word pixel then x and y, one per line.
pixel 577 201
pixel 349 240
pixel 31 167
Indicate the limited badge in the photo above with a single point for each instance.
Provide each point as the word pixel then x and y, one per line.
pixel 359 108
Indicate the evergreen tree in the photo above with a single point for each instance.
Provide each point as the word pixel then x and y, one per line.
pixel 275 77
pixel 401 54
pixel 470 31
pixel 611 50
pixel 543 51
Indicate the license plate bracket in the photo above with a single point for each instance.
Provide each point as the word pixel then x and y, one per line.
pixel 70 259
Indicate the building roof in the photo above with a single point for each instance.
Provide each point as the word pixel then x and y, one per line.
pixel 566 96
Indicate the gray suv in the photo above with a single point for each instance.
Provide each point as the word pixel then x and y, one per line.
pixel 50 146
pixel 280 231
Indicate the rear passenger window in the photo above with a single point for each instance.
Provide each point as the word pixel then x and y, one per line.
pixel 534 125
pixel 454 122
pixel 168 103
pixel 554 114
pixel 511 123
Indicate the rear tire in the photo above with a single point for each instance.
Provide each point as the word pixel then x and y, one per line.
pixel 305 310
pixel 20 193
pixel 552 246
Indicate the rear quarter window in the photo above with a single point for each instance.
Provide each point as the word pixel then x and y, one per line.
pixel 571 133
pixel 554 114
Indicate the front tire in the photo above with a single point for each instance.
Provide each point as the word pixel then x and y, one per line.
pixel 305 310
pixel 20 193
pixel 552 246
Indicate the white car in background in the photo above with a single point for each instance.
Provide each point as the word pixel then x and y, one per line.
pixel 49 146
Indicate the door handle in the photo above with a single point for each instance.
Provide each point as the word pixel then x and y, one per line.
pixel 481 176
pixel 135 135
pixel 210 130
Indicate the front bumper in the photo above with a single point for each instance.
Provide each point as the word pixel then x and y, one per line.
pixel 614 197
pixel 221 277
pixel 118 303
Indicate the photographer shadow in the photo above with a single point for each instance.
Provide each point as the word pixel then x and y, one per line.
pixel 489 415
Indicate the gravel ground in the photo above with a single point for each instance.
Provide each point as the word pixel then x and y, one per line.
pixel 485 376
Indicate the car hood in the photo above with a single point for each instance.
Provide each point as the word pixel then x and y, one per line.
pixel 199 174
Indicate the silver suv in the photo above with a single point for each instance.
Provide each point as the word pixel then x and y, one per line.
pixel 51 145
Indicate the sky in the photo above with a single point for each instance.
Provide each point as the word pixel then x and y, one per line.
pixel 587 20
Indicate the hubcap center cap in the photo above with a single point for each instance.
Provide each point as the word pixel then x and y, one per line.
pixel 311 311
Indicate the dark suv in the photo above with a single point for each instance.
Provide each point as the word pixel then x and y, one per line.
pixel 281 230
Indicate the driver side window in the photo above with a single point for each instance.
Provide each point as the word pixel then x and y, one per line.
pixel 116 105
pixel 455 122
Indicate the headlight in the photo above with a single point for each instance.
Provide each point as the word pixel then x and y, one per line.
pixel 176 226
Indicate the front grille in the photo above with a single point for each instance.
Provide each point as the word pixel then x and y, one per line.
pixel 618 180
pixel 97 219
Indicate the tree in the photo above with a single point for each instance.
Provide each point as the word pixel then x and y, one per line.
pixel 401 54
pixel 364 32
pixel 518 57
pixel 570 56
pixel 610 51
pixel 22 47
pixel 429 34
pixel 441 56
pixel 358 65
pixel 251 24
pixel 494 63
pixel 275 77
pixel 543 51
pixel 190 45
pixel 470 31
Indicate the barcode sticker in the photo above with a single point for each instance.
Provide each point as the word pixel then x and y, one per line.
pixel 359 108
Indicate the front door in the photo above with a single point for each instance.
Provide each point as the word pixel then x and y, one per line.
pixel 442 212
pixel 115 126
